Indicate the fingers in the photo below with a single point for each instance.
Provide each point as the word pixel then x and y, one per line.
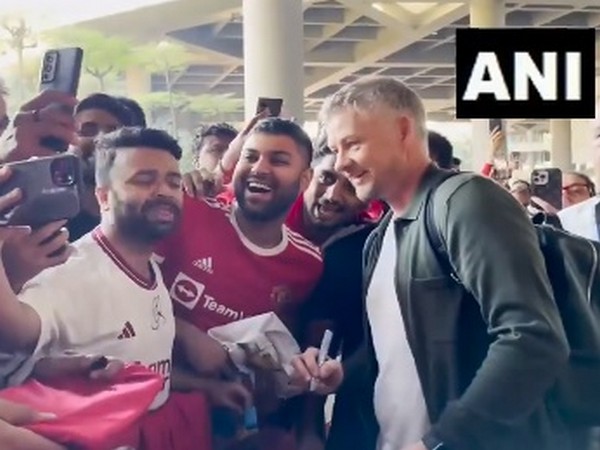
pixel 5 173
pixel 237 398
pixel 110 372
pixel 18 415
pixel 305 367
pixel 44 235
pixel 10 200
pixel 188 184
pixel 47 98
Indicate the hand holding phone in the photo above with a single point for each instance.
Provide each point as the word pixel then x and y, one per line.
pixel 547 185
pixel 274 106
pixel 50 190
pixel 61 70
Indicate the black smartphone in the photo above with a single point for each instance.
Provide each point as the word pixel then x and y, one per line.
pixel 61 70
pixel 273 104
pixel 547 185
pixel 495 125
pixel 51 190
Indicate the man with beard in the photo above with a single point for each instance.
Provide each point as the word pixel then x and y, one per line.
pixel 109 297
pixel 232 261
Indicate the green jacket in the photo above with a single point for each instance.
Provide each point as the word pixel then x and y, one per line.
pixel 488 353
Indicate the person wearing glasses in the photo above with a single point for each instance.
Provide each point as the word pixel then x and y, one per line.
pixel 576 188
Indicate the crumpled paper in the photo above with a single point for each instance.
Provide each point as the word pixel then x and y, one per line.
pixel 261 343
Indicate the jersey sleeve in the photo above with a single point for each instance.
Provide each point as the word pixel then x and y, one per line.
pixel 51 295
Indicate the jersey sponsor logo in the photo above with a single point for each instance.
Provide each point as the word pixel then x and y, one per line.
pixel 212 305
pixel 186 291
pixel 204 264
pixel 128 332
pixel 281 294
pixel 158 318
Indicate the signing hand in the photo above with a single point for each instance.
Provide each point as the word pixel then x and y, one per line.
pixel 328 377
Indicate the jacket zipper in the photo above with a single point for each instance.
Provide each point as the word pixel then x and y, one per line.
pixel 592 272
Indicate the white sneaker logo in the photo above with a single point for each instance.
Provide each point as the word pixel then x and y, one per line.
pixel 204 264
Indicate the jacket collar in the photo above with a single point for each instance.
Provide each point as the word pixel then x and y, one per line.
pixel 417 203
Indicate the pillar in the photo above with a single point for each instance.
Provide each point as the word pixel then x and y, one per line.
pixel 274 54
pixel 560 135
pixel 484 14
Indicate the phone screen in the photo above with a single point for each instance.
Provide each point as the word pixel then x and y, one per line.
pixel 495 124
pixel 273 104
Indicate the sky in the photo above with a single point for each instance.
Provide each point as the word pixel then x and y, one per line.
pixel 44 14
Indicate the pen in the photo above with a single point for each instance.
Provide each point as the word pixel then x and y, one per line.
pixel 323 352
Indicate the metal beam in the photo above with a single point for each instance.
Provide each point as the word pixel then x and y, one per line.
pixel 331 30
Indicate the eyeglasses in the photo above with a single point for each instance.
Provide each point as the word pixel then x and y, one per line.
pixel 576 188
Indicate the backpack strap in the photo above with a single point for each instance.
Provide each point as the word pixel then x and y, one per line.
pixel 434 235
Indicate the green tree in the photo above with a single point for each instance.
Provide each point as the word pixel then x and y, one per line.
pixel 17 36
pixel 105 57
pixel 170 60
pixel 215 107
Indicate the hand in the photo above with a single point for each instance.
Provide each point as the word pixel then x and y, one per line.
pixel 203 183
pixel 417 446
pixel 547 207
pixel 8 201
pixel 229 394
pixel 265 398
pixel 12 437
pixel 328 377
pixel 94 367
pixel 27 255
pixel 498 140
pixel 42 117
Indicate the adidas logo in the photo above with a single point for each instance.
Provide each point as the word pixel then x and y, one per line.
pixel 128 331
pixel 204 264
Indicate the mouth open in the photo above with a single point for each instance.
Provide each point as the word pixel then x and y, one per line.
pixel 162 213
pixel 258 190
pixel 328 211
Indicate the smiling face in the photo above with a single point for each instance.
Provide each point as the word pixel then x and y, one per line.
pixel 271 173
pixel 330 200
pixel 372 149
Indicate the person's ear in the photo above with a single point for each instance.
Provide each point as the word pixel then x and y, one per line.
pixel 102 197
pixel 305 179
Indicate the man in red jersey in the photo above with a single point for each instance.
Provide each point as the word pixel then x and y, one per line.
pixel 230 262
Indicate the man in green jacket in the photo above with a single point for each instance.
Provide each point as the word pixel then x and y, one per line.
pixel 451 366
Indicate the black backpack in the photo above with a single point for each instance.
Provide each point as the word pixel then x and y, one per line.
pixel 573 267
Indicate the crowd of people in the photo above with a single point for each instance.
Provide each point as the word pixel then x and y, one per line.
pixel 328 234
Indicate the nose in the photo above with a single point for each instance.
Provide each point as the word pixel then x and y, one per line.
pixel 334 193
pixel 342 162
pixel 261 165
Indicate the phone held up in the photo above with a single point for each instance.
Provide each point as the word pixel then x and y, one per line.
pixel 50 187
pixel 61 70
pixel 547 185
pixel 272 104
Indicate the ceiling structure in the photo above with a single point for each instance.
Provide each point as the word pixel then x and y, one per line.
pixel 344 39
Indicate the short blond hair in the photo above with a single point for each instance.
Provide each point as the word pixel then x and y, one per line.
pixel 371 92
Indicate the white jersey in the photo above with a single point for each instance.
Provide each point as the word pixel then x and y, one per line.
pixel 95 304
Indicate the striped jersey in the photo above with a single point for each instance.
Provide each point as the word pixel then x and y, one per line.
pixel 215 275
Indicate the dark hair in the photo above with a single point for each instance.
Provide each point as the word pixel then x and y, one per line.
pixel 586 180
pixel 109 104
pixel 137 112
pixel 440 150
pixel 283 127
pixel 522 182
pixel 320 147
pixel 219 130
pixel 107 146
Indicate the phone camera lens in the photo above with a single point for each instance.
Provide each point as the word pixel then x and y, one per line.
pixel 63 172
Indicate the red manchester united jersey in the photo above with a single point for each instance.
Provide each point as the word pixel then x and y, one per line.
pixel 215 275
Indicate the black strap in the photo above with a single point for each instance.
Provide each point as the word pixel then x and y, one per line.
pixel 433 231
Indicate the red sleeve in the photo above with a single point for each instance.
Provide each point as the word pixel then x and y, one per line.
pixel 487 169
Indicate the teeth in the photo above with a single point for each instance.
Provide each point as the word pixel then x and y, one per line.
pixel 260 186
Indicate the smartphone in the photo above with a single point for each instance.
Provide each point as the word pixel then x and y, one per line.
pixel 547 185
pixel 51 190
pixel 274 105
pixel 61 70
pixel 495 125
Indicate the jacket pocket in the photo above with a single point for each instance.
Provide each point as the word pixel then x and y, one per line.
pixel 434 307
